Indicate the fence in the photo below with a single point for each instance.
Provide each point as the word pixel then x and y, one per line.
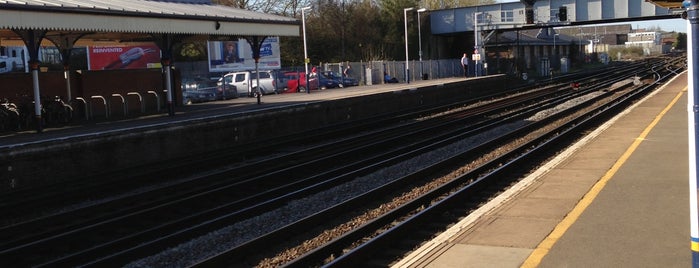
pixel 368 73
pixel 371 73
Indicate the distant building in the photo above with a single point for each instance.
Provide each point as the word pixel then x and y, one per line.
pixel 644 38
pixel 534 50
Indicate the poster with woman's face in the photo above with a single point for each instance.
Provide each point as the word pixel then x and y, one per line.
pixel 236 55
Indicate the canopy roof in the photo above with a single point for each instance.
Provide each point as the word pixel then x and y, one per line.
pixel 127 19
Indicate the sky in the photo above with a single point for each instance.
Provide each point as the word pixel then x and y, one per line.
pixel 677 25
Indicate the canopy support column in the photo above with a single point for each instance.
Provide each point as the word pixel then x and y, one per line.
pixel 32 39
pixel 256 45
pixel 165 42
pixel 693 126
pixel 65 44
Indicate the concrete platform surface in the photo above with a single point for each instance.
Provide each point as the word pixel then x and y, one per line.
pixel 618 198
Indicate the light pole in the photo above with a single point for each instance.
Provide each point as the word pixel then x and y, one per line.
pixel 554 57
pixel 407 68
pixel 475 41
pixel 305 52
pixel 419 38
pixel 419 33
pixel 580 44
pixel 555 49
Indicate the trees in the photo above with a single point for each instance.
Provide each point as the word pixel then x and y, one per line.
pixel 681 42
pixel 349 30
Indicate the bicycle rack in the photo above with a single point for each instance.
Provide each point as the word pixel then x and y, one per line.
pixel 104 101
pixel 140 99
pixel 87 107
pixel 124 104
pixel 157 100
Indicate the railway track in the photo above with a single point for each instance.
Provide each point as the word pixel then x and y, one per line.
pixel 491 178
pixel 143 223
pixel 382 239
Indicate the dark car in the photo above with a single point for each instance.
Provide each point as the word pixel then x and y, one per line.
pixel 203 95
pixel 327 82
pixel 203 90
pixel 343 81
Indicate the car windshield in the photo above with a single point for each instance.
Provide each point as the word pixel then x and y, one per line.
pixel 198 83
pixel 262 75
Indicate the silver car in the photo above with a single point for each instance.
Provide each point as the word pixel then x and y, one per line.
pixel 246 82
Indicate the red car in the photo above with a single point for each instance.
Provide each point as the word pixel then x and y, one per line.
pixel 294 79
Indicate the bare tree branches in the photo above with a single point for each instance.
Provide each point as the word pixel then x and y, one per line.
pixel 348 30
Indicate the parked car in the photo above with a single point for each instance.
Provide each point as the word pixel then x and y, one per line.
pixel 204 95
pixel 246 82
pixel 296 82
pixel 327 82
pixel 342 80
pixel 203 89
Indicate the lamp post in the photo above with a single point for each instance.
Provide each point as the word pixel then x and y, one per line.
pixel 419 38
pixel 555 49
pixel 305 52
pixel 580 44
pixel 419 33
pixel 475 41
pixel 554 57
pixel 407 67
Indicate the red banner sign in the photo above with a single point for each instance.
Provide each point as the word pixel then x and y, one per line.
pixel 123 57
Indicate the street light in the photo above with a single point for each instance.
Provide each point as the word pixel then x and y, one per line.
pixel 555 49
pixel 555 53
pixel 305 52
pixel 407 68
pixel 419 33
pixel 475 45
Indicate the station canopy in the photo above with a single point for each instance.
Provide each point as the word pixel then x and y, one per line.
pixel 136 20
pixel 69 23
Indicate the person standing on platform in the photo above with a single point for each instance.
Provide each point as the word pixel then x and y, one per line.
pixel 464 64
pixel 348 71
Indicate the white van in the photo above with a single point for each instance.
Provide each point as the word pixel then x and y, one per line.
pixel 246 82
pixel 12 59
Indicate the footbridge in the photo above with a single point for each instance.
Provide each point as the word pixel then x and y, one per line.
pixel 551 13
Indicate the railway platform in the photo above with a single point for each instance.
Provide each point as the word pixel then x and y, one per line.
pixel 112 144
pixel 617 198
pixel 184 113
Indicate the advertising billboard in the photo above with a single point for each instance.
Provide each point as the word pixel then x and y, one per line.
pixel 123 57
pixel 236 55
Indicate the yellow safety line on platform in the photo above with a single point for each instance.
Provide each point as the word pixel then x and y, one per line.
pixel 545 246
